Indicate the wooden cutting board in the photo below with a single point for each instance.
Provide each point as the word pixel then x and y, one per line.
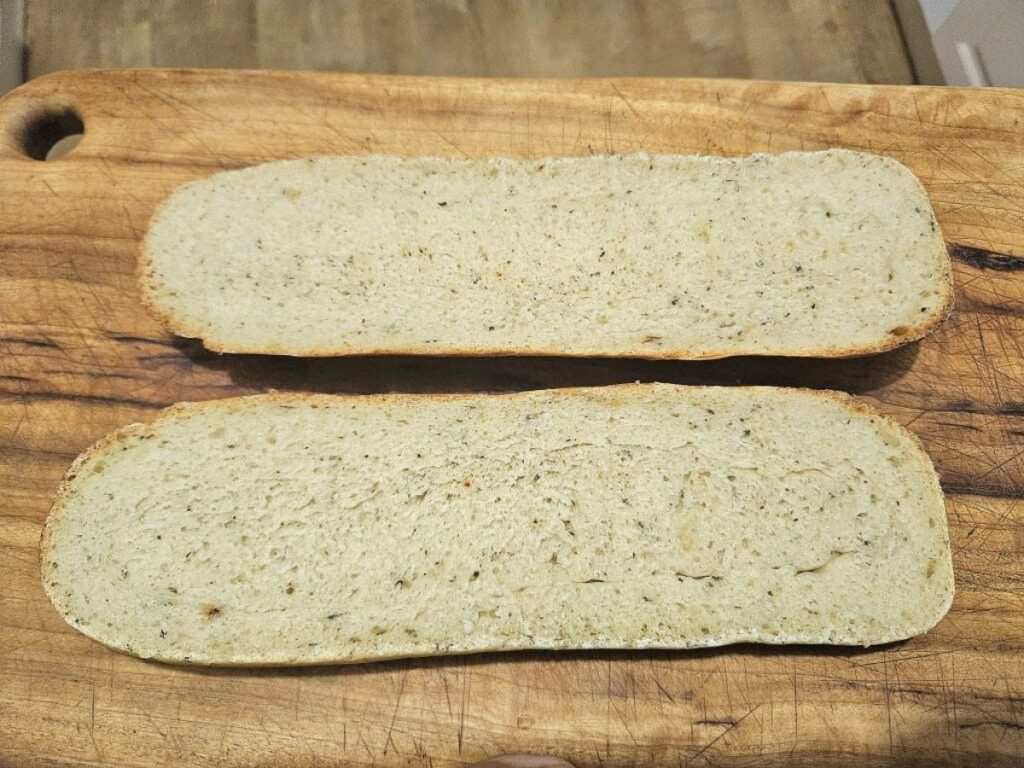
pixel 80 357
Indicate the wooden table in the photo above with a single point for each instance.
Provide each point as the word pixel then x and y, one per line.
pixel 80 356
pixel 845 42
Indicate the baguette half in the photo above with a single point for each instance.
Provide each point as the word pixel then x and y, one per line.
pixel 292 529
pixel 827 254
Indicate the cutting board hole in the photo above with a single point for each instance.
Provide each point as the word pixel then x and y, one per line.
pixel 53 134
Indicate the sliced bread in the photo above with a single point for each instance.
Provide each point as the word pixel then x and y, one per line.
pixel 803 254
pixel 290 529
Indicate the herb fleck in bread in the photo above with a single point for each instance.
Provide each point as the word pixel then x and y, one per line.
pixel 288 529
pixel 804 254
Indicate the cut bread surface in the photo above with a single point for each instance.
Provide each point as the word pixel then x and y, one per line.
pixel 297 529
pixel 828 253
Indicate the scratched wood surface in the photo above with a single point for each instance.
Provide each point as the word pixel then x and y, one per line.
pixel 79 357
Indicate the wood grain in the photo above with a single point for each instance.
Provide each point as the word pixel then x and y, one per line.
pixel 841 40
pixel 79 357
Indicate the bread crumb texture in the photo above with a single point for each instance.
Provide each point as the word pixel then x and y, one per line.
pixel 818 253
pixel 283 529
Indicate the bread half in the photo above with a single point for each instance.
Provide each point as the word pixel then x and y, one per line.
pixel 291 529
pixel 802 254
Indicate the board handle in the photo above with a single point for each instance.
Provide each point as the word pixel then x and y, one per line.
pixel 41 119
